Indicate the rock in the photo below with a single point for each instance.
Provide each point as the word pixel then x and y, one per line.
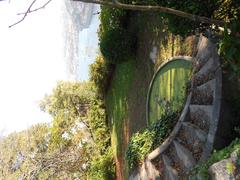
pixel 226 169
pixel 218 171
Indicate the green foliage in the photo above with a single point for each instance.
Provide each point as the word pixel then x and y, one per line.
pixel 116 45
pixel 67 104
pixel 218 9
pixel 27 143
pixel 202 169
pixel 111 18
pixel 143 142
pixel 100 75
pixel 139 146
pixel 102 166
pixel 116 102
pixel 76 146
pixel 229 48
pixel 96 118
pixel 227 9
pixel 68 97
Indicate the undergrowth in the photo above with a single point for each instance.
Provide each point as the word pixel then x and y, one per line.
pixel 143 142
pixel 202 169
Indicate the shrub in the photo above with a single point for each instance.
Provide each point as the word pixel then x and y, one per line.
pixel 116 45
pixel 100 74
pixel 229 48
pixel 143 142
pixel 139 146
pixel 102 166
pixel 111 18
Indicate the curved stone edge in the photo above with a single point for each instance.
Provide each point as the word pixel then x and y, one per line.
pixel 175 58
pixel 159 150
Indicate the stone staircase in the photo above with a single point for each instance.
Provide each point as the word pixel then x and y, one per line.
pixel 192 138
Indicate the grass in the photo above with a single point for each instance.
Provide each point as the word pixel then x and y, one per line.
pixel 168 88
pixel 117 105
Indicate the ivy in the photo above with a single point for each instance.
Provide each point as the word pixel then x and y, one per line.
pixel 143 142
pixel 229 48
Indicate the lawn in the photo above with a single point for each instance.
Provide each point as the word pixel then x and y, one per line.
pixel 117 108
pixel 168 88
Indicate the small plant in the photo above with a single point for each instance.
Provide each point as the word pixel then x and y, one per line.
pixel 143 142
pixel 102 166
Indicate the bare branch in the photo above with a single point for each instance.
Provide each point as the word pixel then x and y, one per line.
pixel 34 10
pixel 30 11
pixel 25 15
pixel 117 4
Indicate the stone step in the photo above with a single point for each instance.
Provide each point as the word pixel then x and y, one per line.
pixel 206 73
pixel 193 138
pixel 148 171
pixel 204 94
pixel 206 50
pixel 194 132
pixel 184 155
pixel 201 116
pixel 169 171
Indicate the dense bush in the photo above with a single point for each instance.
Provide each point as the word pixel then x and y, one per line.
pixel 111 18
pixel 102 166
pixel 143 142
pixel 116 45
pixel 100 75
pixel 218 9
pixel 229 48
pixel 116 42
pixel 101 163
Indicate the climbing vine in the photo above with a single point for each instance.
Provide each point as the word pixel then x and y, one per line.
pixel 229 48
pixel 143 142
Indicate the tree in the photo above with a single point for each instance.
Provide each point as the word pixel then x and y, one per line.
pixel 134 7
pixel 68 104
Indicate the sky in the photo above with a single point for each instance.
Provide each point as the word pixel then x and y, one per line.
pixel 31 62
pixel 88 47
